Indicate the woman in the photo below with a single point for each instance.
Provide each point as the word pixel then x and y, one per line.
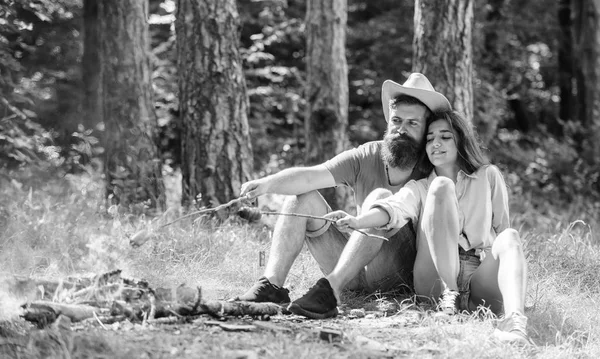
pixel 465 249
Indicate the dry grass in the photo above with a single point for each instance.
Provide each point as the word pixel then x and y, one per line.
pixel 56 228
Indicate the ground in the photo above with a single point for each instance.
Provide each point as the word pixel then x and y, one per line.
pixel 376 327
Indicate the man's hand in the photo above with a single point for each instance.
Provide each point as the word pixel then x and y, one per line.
pixel 290 181
pixel 343 220
pixel 254 188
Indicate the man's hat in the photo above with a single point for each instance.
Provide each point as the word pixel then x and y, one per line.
pixel 417 86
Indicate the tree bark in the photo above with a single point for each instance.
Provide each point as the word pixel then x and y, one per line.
pixel 90 62
pixel 565 61
pixel 216 147
pixel 587 48
pixel 131 161
pixel 443 50
pixel 326 119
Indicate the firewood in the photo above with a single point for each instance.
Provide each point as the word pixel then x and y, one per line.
pixel 75 312
pixel 221 308
pixel 40 315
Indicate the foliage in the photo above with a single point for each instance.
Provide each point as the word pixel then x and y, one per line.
pixel 515 86
pixel 37 78
pixel 272 41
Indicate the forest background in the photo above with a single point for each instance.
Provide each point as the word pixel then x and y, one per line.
pixel 531 107
pixel 520 76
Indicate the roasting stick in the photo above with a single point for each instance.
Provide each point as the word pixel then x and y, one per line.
pixel 206 210
pixel 255 214
pixel 142 236
pixel 248 213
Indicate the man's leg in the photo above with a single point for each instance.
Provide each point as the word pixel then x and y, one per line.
pixel 289 234
pixel 360 251
pixel 288 238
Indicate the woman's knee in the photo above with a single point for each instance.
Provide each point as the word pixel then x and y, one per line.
pixel 507 241
pixel 441 188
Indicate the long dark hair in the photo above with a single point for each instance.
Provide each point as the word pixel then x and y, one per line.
pixel 470 153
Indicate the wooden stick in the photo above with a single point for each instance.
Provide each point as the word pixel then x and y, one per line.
pixel 319 217
pixel 202 211
pixel 99 321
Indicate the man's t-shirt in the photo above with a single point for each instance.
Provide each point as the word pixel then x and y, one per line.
pixel 363 170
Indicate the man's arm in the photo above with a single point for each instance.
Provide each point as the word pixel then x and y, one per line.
pixel 290 181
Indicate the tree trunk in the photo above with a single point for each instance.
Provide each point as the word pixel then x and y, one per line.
pixel 587 49
pixel 443 50
pixel 565 61
pixel 92 108
pixel 326 119
pixel 216 147
pixel 132 166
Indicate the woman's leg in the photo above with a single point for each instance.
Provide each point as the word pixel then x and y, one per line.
pixel 437 264
pixel 501 280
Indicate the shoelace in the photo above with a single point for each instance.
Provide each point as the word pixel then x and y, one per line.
pixel 519 324
pixel 448 300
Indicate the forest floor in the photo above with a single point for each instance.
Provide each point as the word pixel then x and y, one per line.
pixel 387 330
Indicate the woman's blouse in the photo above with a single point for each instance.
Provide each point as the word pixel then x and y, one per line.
pixel 482 204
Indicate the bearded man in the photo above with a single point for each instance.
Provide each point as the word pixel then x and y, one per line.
pixel 355 261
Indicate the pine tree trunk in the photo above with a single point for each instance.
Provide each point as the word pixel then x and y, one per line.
pixel 90 64
pixel 587 50
pixel 565 61
pixel 326 119
pixel 442 49
pixel 216 147
pixel 132 166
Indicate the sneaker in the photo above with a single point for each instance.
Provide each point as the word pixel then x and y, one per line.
pixel 512 329
pixel 318 303
pixel 265 291
pixel 448 303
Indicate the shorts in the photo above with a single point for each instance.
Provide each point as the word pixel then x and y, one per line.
pixel 469 262
pixel 391 269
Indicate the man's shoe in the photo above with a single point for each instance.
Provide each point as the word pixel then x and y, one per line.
pixel 512 329
pixel 265 291
pixel 318 303
pixel 448 303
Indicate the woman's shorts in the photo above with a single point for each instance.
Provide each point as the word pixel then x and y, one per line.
pixel 469 262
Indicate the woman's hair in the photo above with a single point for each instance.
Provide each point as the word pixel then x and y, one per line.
pixel 470 155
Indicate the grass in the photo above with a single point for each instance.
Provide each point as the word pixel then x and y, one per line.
pixel 54 228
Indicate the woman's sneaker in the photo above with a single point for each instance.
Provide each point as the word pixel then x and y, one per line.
pixel 265 291
pixel 448 303
pixel 318 303
pixel 512 329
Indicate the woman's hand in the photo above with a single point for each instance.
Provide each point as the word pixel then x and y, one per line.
pixel 343 220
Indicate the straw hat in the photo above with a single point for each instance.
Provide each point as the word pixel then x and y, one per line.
pixel 417 86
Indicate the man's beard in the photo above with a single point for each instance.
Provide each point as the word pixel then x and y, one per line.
pixel 400 151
